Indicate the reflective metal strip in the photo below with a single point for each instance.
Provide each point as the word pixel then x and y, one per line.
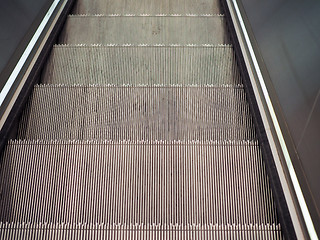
pixel 30 66
pixel 293 176
pixel 27 51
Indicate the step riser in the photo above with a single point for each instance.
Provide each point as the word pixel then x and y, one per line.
pixel 141 65
pixel 137 113
pixel 135 183
pixel 144 30
pixel 147 7
pixel 101 231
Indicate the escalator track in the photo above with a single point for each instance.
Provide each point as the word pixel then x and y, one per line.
pixel 140 128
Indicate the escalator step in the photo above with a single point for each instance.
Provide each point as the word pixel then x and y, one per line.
pixel 143 232
pixel 139 182
pixel 98 29
pixel 147 7
pixel 141 65
pixel 137 113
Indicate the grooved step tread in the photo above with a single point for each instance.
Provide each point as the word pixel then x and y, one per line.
pixel 135 183
pixel 137 113
pixel 144 30
pixel 141 131
pixel 147 7
pixel 81 64
pixel 144 232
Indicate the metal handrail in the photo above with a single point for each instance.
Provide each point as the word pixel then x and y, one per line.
pixel 272 128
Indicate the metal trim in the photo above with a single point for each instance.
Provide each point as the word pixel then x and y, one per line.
pixel 272 127
pixel 5 92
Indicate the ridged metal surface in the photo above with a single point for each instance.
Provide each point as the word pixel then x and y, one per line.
pixel 137 113
pixel 98 158
pixel 144 30
pixel 143 232
pixel 141 65
pixel 135 182
pixel 147 7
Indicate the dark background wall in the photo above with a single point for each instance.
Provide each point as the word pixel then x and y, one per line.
pixel 18 18
pixel 288 37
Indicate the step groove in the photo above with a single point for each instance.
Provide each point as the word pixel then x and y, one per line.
pixel 140 182
pixel 144 30
pixel 123 64
pixel 144 232
pixel 137 113
pixel 147 7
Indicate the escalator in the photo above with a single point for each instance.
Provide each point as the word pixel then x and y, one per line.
pixel 140 128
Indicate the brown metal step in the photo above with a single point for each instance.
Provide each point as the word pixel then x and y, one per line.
pixel 135 183
pixel 149 65
pixel 100 29
pixel 137 113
